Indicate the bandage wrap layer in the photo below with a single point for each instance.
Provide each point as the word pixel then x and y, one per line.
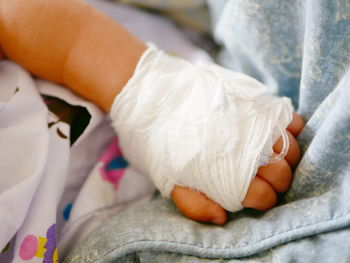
pixel 201 126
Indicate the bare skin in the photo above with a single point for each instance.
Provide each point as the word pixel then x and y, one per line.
pixel 269 181
pixel 70 43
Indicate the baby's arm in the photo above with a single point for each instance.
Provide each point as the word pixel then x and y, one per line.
pixel 71 43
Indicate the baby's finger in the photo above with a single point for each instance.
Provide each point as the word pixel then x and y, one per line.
pixel 197 206
pixel 293 155
pixel 296 125
pixel 260 195
pixel 278 175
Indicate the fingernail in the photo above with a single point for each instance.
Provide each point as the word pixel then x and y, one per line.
pixel 219 220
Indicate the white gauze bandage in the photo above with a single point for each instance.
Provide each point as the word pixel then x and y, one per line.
pixel 198 125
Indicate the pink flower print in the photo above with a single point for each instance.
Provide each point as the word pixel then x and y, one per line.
pixel 113 164
pixel 40 247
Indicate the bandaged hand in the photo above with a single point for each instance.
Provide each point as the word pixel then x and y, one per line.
pixel 193 129
pixel 206 128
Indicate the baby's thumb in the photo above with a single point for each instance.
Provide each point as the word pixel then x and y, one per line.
pixel 197 206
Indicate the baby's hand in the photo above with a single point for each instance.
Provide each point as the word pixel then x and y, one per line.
pixel 95 57
pixel 269 181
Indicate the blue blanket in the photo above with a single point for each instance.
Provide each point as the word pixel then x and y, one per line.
pixel 299 49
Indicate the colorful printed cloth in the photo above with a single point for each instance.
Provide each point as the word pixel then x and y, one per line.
pixel 55 183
